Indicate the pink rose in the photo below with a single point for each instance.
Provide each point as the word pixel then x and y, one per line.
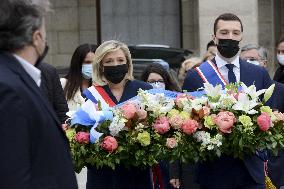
pixel 171 143
pixel 179 99
pixel 162 125
pixel 142 114
pixel 82 137
pixel 128 110
pixel 264 121
pixel 189 126
pixel 176 121
pixel 225 121
pixel 109 144
pixel 279 115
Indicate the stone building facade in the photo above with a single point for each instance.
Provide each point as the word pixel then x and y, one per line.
pixel 177 23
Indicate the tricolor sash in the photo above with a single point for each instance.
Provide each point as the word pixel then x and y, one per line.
pixel 89 113
pixel 209 73
pixel 98 94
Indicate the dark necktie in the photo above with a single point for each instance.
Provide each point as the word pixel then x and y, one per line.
pixel 231 75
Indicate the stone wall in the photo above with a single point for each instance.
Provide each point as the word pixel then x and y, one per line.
pixel 72 22
pixel 209 10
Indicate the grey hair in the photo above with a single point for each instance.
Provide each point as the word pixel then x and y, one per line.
pixel 19 19
pixel 263 53
pixel 249 47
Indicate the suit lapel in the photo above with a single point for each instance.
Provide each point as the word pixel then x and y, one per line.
pixel 244 73
pixel 14 65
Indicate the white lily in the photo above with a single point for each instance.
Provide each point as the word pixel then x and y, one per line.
pixel 198 103
pixel 226 101
pixel 251 91
pixel 245 104
pixel 268 93
pixel 213 92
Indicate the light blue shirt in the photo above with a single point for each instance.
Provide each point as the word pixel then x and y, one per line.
pixel 221 64
pixel 30 69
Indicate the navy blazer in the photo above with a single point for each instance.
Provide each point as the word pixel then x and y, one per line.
pixel 34 148
pixel 249 74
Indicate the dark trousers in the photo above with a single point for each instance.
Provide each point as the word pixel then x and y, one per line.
pixel 227 174
pixel 120 178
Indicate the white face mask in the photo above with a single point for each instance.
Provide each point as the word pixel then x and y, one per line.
pixel 255 62
pixel 280 58
pixel 158 85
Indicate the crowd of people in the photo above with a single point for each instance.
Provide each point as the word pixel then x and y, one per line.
pixel 35 105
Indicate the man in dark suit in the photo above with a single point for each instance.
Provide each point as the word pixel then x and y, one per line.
pixel 228 172
pixel 52 89
pixel 34 149
pixel 259 56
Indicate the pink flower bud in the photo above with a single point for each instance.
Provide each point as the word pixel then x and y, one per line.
pixel 109 144
pixel 142 114
pixel 82 137
pixel 225 121
pixel 129 110
pixel 189 126
pixel 264 121
pixel 171 143
pixel 162 125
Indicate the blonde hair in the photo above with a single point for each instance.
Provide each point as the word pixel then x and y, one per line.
pixel 192 62
pixel 102 50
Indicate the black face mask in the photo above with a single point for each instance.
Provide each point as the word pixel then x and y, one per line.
pixel 42 56
pixel 115 74
pixel 228 48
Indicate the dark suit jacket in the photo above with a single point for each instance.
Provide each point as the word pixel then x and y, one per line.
pixel 34 149
pixel 249 74
pixel 52 89
pixel 277 100
pixel 276 163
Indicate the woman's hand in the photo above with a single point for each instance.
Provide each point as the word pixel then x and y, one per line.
pixel 175 183
pixel 65 126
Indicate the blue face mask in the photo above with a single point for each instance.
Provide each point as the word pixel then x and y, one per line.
pixel 87 71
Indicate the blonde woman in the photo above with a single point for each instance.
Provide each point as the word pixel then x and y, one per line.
pixel 187 65
pixel 114 84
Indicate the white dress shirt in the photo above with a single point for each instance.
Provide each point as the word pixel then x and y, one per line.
pixel 30 69
pixel 221 64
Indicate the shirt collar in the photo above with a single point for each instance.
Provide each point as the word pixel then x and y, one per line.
pixel 221 63
pixel 30 69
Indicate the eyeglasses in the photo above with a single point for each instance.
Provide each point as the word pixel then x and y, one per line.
pixel 252 59
pixel 154 81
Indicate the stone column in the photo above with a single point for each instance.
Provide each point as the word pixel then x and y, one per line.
pixel 190 25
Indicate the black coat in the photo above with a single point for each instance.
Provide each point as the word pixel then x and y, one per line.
pixel 34 149
pixel 51 88
pixel 279 74
pixel 185 173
